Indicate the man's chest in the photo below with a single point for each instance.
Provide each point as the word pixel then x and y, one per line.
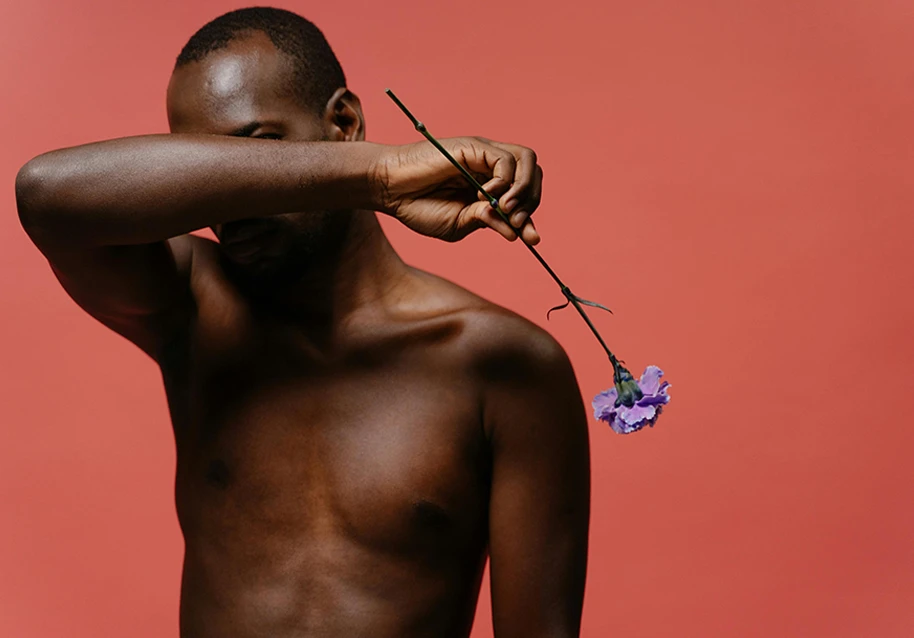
pixel 383 446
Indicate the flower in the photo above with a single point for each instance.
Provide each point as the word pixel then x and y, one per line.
pixel 610 405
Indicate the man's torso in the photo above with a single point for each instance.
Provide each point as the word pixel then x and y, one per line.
pixel 329 486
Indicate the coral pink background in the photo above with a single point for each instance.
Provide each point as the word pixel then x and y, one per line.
pixel 734 179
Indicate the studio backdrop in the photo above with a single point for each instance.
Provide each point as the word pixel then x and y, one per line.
pixel 734 179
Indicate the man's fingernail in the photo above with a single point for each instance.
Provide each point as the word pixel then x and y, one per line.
pixel 518 218
pixel 509 205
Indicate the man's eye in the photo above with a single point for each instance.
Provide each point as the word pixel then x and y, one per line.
pixel 269 136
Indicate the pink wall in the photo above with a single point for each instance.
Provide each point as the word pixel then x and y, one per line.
pixel 734 179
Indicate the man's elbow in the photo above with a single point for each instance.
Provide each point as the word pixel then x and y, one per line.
pixel 37 185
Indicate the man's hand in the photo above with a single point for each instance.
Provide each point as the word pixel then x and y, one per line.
pixel 420 187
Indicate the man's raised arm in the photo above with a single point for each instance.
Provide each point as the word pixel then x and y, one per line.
pixel 111 217
pixel 143 189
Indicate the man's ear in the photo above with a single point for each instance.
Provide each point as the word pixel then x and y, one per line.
pixel 343 117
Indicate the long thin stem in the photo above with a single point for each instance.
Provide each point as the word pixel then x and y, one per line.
pixel 493 202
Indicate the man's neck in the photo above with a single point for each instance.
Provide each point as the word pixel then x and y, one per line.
pixel 362 274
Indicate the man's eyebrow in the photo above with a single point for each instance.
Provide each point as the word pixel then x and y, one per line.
pixel 246 130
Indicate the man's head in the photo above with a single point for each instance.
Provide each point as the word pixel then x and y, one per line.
pixel 267 73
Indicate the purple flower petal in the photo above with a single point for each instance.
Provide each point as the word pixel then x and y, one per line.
pixel 638 414
pixel 603 404
pixel 625 420
pixel 650 380
pixel 621 427
pixel 653 399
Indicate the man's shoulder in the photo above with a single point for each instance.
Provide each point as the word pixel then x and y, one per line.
pixel 524 374
pixel 498 341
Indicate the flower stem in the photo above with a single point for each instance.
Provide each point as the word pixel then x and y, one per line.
pixel 493 202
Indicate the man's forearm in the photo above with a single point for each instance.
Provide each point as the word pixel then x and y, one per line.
pixel 144 189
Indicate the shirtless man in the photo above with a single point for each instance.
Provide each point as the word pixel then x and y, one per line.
pixel 354 436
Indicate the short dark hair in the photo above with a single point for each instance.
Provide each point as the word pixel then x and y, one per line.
pixel 317 72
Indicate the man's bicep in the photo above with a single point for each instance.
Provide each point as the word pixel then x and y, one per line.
pixel 540 500
pixel 140 291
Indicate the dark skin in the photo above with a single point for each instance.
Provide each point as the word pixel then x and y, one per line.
pixel 354 436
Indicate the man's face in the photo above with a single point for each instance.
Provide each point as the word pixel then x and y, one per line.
pixel 245 90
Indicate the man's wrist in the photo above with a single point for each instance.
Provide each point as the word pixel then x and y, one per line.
pixel 354 174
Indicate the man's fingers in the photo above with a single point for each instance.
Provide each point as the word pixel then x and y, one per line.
pixel 522 212
pixel 489 159
pixel 515 179
pixel 536 189
pixel 485 215
pixel 494 187
pixel 529 234
pixel 527 178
